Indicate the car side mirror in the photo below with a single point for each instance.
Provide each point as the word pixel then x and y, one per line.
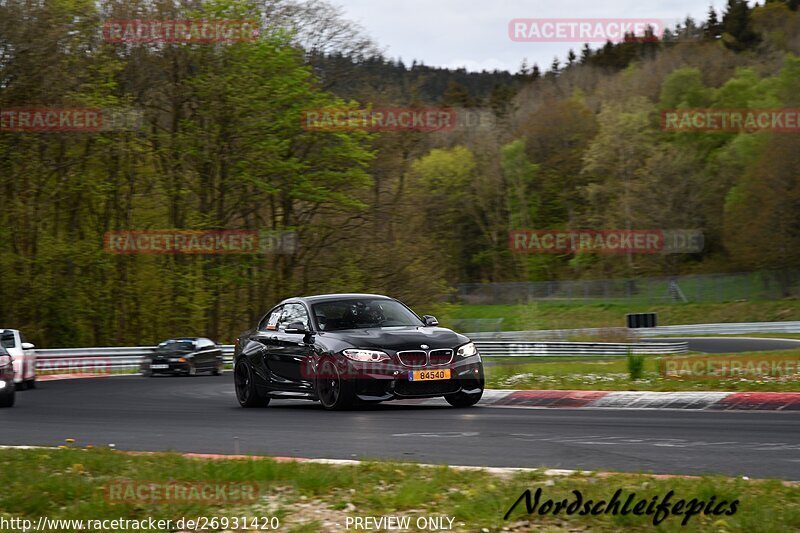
pixel 430 320
pixel 298 328
pixel 27 346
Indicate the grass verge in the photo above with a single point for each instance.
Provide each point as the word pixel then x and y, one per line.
pixel 70 483
pixel 612 374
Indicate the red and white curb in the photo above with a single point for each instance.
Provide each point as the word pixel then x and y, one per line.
pixel 717 401
pixel 81 375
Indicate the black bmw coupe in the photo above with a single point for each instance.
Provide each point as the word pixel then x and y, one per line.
pixel 348 349
pixel 186 356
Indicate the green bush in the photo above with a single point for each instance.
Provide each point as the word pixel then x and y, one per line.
pixel 635 366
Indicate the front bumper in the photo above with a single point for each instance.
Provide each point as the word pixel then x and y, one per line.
pixel 166 367
pixel 391 381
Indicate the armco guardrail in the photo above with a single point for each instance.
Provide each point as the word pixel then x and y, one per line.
pixel 689 330
pixel 556 349
pixel 549 335
pixel 76 360
pixel 111 359
pixel 726 329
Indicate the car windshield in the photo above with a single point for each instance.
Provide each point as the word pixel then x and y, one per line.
pixel 360 313
pixel 179 344
pixel 7 339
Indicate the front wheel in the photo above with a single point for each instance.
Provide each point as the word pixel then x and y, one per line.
pixel 7 399
pixel 30 383
pixel 461 399
pixel 334 393
pixel 246 392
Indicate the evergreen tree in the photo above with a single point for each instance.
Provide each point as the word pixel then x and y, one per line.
pixel 500 99
pixel 586 53
pixel 555 67
pixel 456 95
pixel 736 26
pixel 712 28
pixel 571 57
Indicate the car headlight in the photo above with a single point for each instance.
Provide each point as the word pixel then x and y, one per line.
pixel 468 350
pixel 366 356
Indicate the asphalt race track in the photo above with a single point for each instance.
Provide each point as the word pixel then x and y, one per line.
pixel 201 415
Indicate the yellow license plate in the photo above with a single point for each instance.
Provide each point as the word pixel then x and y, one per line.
pixel 429 375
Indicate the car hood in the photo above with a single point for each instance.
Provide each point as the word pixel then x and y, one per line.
pixel 172 353
pixel 400 338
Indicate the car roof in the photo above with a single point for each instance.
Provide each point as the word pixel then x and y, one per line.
pixel 332 297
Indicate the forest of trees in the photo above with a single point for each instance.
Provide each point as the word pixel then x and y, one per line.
pixel 575 145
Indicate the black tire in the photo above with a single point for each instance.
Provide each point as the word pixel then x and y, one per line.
pixel 22 385
pixel 333 392
pixel 30 383
pixel 462 400
pixel 246 392
pixel 7 399
pixel 218 370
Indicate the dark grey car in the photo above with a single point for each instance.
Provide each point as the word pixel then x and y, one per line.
pixel 187 356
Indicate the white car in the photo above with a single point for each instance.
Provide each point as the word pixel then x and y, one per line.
pixel 6 379
pixel 23 355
